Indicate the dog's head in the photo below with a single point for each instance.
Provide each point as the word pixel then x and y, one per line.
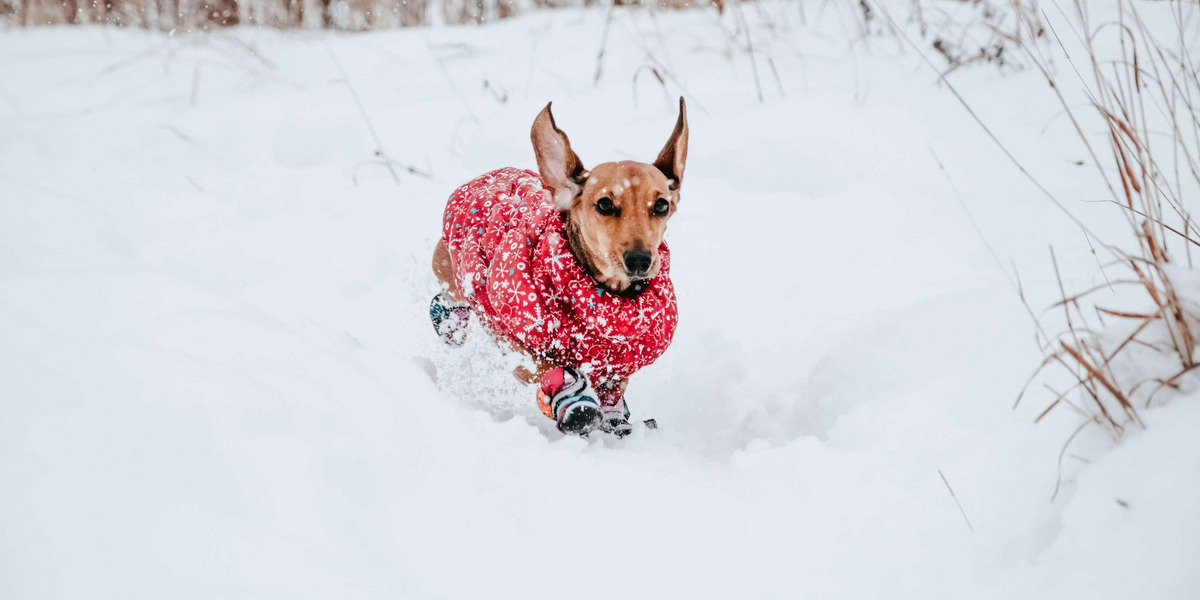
pixel 618 211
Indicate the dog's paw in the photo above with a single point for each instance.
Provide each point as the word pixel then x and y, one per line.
pixel 449 320
pixel 580 418
pixel 616 425
pixel 566 396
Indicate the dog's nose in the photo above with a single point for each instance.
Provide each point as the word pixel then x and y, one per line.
pixel 637 262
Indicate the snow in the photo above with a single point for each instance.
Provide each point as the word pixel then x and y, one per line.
pixel 218 377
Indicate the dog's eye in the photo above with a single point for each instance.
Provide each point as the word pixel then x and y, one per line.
pixel 605 207
pixel 661 207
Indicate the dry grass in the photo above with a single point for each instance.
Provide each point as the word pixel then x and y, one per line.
pixel 976 32
pixel 189 15
pixel 346 15
pixel 1146 156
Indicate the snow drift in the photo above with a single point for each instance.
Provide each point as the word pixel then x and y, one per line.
pixel 218 378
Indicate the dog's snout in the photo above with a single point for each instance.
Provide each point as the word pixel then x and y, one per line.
pixel 638 262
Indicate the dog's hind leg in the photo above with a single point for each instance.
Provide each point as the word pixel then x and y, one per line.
pixel 443 269
pixel 448 310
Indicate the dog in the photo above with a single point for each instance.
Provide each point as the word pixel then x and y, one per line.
pixel 568 266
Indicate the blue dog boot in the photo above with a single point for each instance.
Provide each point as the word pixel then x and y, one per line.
pixel 449 319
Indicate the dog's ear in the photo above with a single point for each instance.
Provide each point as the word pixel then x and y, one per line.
pixel 562 171
pixel 674 155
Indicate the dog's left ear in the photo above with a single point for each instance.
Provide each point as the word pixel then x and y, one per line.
pixel 674 155
pixel 561 170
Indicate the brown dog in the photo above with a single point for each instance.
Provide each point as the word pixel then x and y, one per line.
pixel 613 218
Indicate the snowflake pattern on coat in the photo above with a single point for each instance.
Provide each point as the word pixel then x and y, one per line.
pixel 513 264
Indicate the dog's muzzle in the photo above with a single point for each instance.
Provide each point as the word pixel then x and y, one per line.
pixel 638 262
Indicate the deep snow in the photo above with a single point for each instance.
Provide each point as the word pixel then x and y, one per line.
pixel 218 378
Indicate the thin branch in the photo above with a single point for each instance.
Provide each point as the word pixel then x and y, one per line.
pixel 956 502
pixel 379 151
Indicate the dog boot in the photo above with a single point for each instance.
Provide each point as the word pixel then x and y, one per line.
pixel 566 396
pixel 615 419
pixel 449 319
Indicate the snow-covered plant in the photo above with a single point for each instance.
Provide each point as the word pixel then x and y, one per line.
pixel 988 35
pixel 1148 158
pixel 959 32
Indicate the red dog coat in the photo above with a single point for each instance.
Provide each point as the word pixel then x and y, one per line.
pixel 512 262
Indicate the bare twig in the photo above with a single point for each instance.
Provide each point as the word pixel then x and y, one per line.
pixel 612 8
pixel 956 502
pixel 750 50
pixel 1062 453
pixel 386 161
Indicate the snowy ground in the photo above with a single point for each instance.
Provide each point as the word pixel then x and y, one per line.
pixel 218 379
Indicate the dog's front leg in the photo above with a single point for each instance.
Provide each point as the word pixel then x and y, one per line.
pixel 612 407
pixel 563 394
pixel 540 366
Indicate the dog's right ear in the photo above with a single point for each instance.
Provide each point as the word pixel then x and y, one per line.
pixel 562 171
pixel 674 155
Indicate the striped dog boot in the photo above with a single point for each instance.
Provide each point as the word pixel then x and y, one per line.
pixel 450 319
pixel 566 396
